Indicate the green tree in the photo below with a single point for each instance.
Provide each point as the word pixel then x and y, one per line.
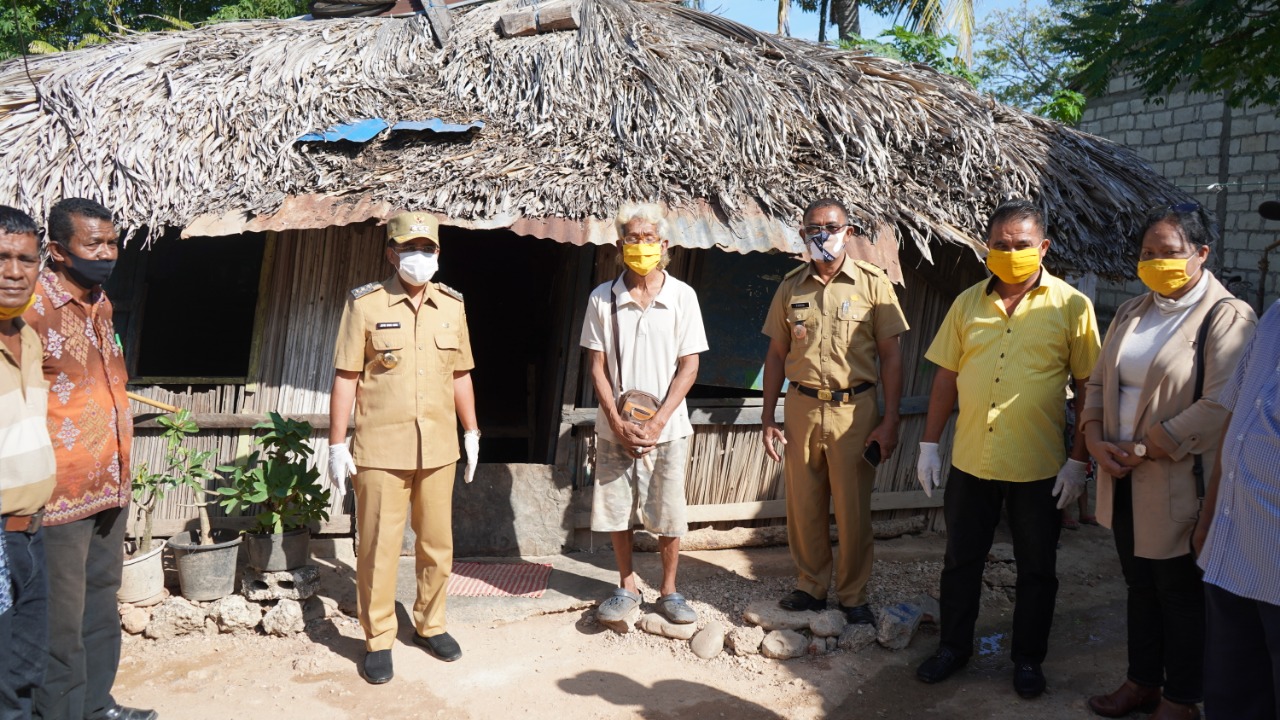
pixel 54 25
pixel 1227 47
pixel 1024 64
pixel 909 46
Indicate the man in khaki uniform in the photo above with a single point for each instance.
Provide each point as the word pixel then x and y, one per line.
pixel 403 358
pixel 829 322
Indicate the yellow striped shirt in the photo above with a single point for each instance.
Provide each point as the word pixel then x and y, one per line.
pixel 1012 376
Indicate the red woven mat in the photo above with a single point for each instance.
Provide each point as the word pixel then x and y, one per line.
pixel 471 579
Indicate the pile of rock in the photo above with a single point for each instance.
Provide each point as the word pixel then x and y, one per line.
pixel 279 603
pixel 783 634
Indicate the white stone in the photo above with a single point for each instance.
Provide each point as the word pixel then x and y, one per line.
pixel 709 641
pixel 625 625
pixel 174 617
pixel 784 645
pixel 284 619
pixel 745 640
pixel 655 624
pixel 898 625
pixel 856 637
pixel 828 623
pixel 135 620
pixel 235 614
pixel 769 616
pixel 931 611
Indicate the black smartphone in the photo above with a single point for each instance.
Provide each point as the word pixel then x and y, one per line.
pixel 872 453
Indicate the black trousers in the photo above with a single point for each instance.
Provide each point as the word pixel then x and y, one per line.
pixel 972 509
pixel 1166 612
pixel 1241 658
pixel 85 561
pixel 24 627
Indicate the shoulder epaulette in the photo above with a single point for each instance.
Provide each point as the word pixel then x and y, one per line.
pixel 869 267
pixel 365 289
pixel 798 269
pixel 449 291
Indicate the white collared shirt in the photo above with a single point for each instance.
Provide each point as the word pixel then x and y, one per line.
pixel 652 339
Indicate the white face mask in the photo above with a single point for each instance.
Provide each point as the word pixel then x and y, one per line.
pixel 417 267
pixel 829 244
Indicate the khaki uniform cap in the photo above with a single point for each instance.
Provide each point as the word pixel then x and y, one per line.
pixel 410 225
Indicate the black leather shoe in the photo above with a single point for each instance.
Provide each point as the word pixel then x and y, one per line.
pixel 442 646
pixel 1028 680
pixel 799 600
pixel 941 666
pixel 376 668
pixel 121 712
pixel 859 614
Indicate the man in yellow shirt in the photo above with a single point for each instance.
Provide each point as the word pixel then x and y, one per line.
pixel 1006 350
pixel 403 358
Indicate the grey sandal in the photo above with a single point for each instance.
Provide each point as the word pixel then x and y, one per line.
pixel 674 608
pixel 618 605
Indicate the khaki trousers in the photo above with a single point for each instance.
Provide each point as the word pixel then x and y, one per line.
pixel 824 467
pixel 383 499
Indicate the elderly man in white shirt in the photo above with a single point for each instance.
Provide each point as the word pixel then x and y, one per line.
pixel 643 332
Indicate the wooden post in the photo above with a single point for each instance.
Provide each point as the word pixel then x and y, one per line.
pixel 547 18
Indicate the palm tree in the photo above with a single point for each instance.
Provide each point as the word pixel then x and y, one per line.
pixel 936 17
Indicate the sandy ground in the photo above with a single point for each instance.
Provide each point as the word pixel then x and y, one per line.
pixel 552 660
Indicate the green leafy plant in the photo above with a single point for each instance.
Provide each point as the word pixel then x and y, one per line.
pixel 913 47
pixel 182 466
pixel 278 477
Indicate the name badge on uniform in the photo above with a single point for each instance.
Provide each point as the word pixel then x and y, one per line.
pixel 389 360
pixel 388 326
pixel 799 305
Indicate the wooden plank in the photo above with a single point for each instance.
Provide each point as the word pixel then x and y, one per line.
pixel 770 509
pixel 441 23
pixel 337 525
pixel 518 24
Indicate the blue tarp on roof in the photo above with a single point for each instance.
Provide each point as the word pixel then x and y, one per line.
pixel 358 132
pixel 363 131
pixel 436 125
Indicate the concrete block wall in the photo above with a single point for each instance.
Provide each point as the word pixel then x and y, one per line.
pixel 1181 139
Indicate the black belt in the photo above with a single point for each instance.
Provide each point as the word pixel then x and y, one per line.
pixel 29 524
pixel 834 395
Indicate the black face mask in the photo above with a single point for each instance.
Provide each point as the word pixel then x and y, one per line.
pixel 88 273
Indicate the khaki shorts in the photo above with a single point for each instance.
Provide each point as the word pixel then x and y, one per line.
pixel 632 492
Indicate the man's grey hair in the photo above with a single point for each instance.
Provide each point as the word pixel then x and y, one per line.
pixel 649 212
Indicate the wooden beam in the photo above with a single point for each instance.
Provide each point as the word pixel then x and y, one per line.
pixel 729 412
pixel 771 509
pixel 168 527
pixel 518 24
pixel 563 16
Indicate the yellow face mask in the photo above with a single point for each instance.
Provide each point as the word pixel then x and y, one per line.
pixel 1164 275
pixel 1014 266
pixel 11 313
pixel 642 257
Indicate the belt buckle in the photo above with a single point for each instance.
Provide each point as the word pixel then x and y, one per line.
pixel 824 395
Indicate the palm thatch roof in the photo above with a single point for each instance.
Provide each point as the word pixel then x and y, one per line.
pixel 736 130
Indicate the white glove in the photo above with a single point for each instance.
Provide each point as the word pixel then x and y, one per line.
pixel 471 444
pixel 341 466
pixel 928 467
pixel 1071 481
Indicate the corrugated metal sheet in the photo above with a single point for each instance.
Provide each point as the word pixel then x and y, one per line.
pixel 357 132
pixel 696 226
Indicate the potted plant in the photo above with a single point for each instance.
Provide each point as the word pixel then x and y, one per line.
pixel 278 478
pixel 206 559
pixel 142 579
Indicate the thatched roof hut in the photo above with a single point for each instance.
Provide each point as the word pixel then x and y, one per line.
pixel 734 128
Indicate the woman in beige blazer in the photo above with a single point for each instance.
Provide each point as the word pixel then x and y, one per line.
pixel 1144 427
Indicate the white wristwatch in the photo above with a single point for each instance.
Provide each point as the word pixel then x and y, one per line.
pixel 1140 450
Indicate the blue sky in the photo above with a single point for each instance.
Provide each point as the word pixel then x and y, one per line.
pixel 763 15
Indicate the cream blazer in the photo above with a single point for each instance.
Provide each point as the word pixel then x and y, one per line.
pixel 1165 506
